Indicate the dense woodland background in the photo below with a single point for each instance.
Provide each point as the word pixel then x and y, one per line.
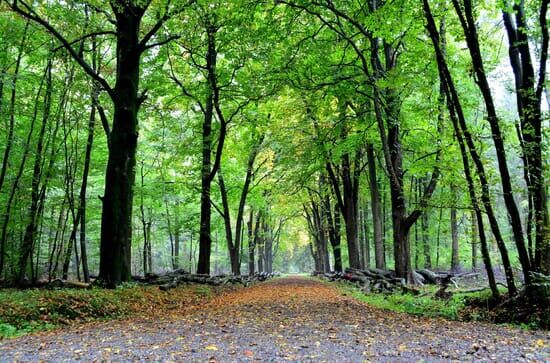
pixel 244 136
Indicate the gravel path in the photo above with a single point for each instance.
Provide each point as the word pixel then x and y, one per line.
pixel 283 320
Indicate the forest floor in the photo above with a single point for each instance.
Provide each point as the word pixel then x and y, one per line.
pixel 295 319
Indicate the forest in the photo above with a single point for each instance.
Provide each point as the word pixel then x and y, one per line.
pixel 274 180
pixel 402 138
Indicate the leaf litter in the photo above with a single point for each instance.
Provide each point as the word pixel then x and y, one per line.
pixel 293 319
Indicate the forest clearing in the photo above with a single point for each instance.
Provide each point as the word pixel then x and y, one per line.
pixel 168 162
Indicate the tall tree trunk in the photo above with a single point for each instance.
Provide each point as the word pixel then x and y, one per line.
pixel 116 217
pixel 474 240
pixel 87 159
pixel 333 222
pixel 388 104
pixel 70 177
pixel 347 198
pixel 438 238
pixel 529 98
pixel 27 245
pixel 58 241
pixel 17 179
pixel 192 254
pixel 11 112
pixel 146 266
pixel 268 247
pixel 83 190
pixel 257 240
pixel 366 240
pixel 232 247
pixel 177 238
pixel 205 238
pixel 250 243
pixel 376 210
pixel 469 26
pixel 455 262
pixel 424 222
pixel 464 138
pixel 209 169
pixel 170 235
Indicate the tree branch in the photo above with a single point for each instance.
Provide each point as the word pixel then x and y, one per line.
pixel 32 15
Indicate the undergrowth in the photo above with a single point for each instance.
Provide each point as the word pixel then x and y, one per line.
pixel 476 306
pixel 27 311
pixel 407 303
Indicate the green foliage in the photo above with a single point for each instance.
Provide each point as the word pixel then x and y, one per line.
pixel 410 304
pixel 475 306
pixel 299 72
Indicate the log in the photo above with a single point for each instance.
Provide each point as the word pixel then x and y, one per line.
pixel 172 279
pixel 61 284
pixel 171 285
pixel 430 276
pixel 418 278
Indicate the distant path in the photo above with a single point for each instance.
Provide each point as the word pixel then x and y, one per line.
pixel 294 319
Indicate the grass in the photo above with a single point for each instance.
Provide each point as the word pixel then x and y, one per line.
pixel 456 308
pixel 27 311
pixel 406 303
pixel 475 306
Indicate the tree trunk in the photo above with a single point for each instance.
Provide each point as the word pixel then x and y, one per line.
pixel 365 239
pixel 70 177
pixel 469 26
pixel 232 247
pixel 463 136
pixel 257 241
pixel 27 245
pixel 426 240
pixel 333 222
pixel 15 185
pixel 251 243
pixel 474 240
pixel 387 110
pixel 116 217
pixel 380 259
pixel 11 112
pixel 84 185
pixel 455 261
pixel 177 248
pixel 268 247
pixel 529 99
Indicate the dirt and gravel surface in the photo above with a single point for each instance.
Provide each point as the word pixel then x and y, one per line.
pixel 293 319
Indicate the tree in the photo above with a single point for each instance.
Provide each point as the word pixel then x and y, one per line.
pixel 116 226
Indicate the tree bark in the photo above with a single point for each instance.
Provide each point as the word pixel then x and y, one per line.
pixel 464 137
pixel 11 112
pixel 529 99
pixel 116 217
pixel 333 222
pixel 474 240
pixel 426 240
pixel 379 256
pixel 455 262
pixel 234 245
pixel 15 185
pixel 469 27
pixel 27 245
pixel 251 243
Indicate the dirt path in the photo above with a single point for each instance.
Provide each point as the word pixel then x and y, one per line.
pixel 291 319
